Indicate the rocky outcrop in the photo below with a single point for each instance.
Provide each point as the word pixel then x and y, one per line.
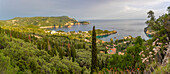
pixel 149 33
pixel 157 57
pixel 103 34
pixel 162 57
pixel 167 56
pixel 84 22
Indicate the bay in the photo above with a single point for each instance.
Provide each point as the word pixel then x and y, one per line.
pixel 124 27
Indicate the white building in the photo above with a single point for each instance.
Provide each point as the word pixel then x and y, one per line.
pixel 53 32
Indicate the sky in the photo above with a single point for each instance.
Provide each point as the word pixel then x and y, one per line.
pixel 82 9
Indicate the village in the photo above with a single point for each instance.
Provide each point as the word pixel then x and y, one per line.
pixel 111 48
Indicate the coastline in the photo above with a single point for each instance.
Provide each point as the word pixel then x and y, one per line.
pixel 149 33
pixel 64 26
pixel 121 32
pixel 105 34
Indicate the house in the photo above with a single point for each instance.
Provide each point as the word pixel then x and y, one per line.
pixel 120 53
pixel 129 37
pixel 125 37
pixel 103 41
pixel 86 40
pixel 85 31
pixel 53 32
pixel 114 45
pixel 112 51
pixel 124 42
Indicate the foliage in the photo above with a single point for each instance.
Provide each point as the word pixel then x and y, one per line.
pixel 41 21
pixel 5 65
pixel 33 59
pixel 84 22
pixel 25 48
pixel 163 69
pixel 99 31
pixel 131 60
pixel 94 61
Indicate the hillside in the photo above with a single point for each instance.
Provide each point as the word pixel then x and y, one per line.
pixel 27 49
pixel 156 55
pixel 42 22
pixel 155 25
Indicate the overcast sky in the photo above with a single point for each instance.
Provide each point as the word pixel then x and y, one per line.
pixel 82 9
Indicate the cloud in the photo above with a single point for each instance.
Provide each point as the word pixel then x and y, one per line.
pixel 82 9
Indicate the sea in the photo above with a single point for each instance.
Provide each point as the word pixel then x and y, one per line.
pixel 124 27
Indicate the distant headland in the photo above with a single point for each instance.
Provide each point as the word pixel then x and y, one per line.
pixel 45 22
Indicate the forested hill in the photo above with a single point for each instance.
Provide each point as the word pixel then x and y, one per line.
pixel 40 21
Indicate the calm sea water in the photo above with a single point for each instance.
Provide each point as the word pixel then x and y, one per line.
pixel 123 27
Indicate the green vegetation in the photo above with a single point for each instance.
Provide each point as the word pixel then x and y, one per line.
pixel 130 61
pixel 144 56
pixel 154 55
pixel 27 58
pixel 162 69
pixel 94 67
pixel 156 25
pixel 25 48
pixel 31 50
pixel 100 32
pixel 40 21
pixel 84 22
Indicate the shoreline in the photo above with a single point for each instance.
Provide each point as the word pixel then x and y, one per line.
pixel 64 26
pixel 148 33
pixel 103 34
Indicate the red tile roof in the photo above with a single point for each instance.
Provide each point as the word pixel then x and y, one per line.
pixel 112 51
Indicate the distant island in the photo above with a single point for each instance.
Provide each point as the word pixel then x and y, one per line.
pixel 84 22
pixel 44 22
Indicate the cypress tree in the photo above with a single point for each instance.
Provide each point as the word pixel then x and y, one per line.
pixel 10 34
pixel 84 45
pixel 61 53
pixel 44 46
pixel 69 51
pixel 106 61
pixel 57 46
pixel 20 35
pixel 39 45
pixel 73 53
pixel 105 50
pixel 103 64
pixel 27 38
pixel 54 52
pixel 0 30
pixel 94 61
